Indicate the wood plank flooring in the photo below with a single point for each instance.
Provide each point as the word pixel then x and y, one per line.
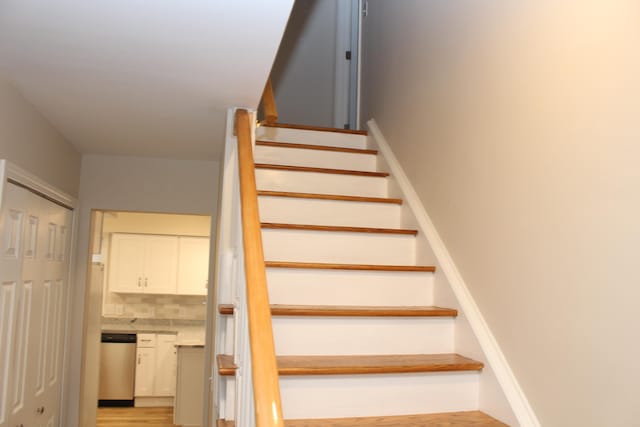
pixel 135 417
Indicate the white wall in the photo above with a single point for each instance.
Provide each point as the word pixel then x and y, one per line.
pixel 518 125
pixel 304 70
pixel 128 184
pixel 28 140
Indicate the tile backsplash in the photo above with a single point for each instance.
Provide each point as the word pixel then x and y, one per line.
pixel 139 306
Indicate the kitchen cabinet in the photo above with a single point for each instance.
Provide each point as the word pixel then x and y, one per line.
pixel 193 265
pixel 166 366
pixel 143 263
pixel 156 365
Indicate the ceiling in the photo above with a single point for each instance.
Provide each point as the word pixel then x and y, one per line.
pixel 139 77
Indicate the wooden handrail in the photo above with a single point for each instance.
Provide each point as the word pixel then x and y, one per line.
pixel 266 388
pixel 269 104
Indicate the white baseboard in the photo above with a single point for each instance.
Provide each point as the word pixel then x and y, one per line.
pixel 495 358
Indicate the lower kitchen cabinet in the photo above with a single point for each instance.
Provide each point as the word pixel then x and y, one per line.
pixel 166 366
pixel 156 365
pixel 145 371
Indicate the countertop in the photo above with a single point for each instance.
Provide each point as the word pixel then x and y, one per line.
pixel 189 333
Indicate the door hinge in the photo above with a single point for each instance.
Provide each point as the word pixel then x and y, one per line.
pixel 365 8
pixel 347 55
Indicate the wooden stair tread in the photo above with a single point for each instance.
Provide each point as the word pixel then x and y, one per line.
pixel 316 147
pixel 352 310
pixel 341 228
pixel 329 197
pixel 448 419
pixel 321 170
pixel 357 267
pixel 316 128
pixel 363 364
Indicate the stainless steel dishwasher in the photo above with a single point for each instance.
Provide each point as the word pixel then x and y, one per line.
pixel 117 369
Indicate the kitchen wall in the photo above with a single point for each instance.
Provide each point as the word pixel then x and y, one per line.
pixel 123 184
pixel 517 124
pixel 28 140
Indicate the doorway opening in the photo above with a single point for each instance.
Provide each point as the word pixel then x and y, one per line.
pixel 146 313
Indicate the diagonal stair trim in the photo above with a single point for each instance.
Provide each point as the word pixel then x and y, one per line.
pixel 495 357
pixel 363 364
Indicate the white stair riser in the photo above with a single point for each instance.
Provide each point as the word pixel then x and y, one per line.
pixel 362 335
pixel 299 136
pixel 338 247
pixel 315 158
pixel 328 212
pixel 369 395
pixel 322 183
pixel 342 287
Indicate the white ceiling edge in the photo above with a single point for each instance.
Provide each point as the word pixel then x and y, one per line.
pixel 141 78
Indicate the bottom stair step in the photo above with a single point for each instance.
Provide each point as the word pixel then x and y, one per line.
pixel 449 419
pixel 368 364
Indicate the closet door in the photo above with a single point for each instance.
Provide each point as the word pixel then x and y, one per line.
pixel 19 226
pixel 53 266
pixel 35 257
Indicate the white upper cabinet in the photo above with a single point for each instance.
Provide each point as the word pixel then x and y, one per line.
pixel 193 265
pixel 143 263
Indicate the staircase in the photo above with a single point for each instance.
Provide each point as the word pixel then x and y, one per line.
pixel 358 339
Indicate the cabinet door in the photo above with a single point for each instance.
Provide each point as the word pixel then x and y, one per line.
pixel 126 262
pixel 160 264
pixel 193 265
pixel 145 371
pixel 166 365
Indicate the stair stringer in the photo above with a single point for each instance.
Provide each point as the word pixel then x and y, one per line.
pixel 500 393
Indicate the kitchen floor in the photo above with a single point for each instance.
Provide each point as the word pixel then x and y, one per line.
pixel 135 417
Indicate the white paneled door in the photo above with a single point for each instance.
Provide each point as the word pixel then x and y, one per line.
pixel 34 263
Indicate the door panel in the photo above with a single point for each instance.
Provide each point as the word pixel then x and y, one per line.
pixel 145 369
pixel 166 365
pixel 7 310
pixel 193 266
pixel 19 368
pixel 33 267
pixel 160 267
pixel 127 261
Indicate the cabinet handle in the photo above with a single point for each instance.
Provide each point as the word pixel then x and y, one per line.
pixel 139 281
pixel 145 282
pixel 138 360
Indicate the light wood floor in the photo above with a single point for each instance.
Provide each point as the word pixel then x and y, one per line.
pixel 135 417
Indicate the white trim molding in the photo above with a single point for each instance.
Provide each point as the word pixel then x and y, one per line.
pixel 495 358
pixel 15 173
